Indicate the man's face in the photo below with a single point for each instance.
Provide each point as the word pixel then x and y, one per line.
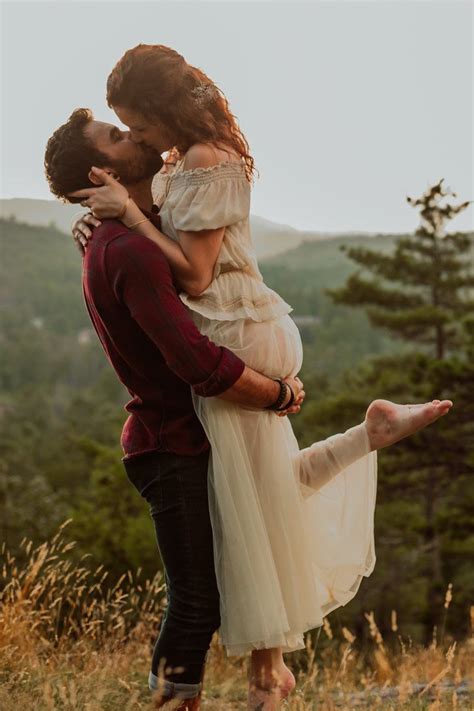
pixel 130 161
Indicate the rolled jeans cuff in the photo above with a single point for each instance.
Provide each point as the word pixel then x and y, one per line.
pixel 173 689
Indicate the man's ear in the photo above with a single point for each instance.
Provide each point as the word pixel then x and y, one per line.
pixel 94 179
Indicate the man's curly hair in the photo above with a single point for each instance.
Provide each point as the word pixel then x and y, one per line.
pixel 70 155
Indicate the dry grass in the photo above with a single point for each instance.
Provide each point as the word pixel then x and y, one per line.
pixel 67 644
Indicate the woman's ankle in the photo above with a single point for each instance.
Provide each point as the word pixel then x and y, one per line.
pixel 268 671
pixel 282 680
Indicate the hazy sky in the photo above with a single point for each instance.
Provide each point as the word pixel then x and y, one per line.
pixel 348 106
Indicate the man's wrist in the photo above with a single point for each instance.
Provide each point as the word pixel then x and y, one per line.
pixel 291 399
pixel 254 390
pixel 276 389
pixel 284 398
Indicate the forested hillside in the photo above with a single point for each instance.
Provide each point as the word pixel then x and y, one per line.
pixel 61 406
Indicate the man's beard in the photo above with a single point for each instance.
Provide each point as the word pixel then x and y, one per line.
pixel 142 167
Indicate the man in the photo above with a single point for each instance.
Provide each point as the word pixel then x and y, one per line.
pixel 158 353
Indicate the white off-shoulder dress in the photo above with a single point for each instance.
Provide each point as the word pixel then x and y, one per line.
pixel 293 529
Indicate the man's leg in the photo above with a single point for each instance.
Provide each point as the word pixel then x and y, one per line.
pixel 176 490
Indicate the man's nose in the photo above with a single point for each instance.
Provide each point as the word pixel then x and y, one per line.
pixel 135 137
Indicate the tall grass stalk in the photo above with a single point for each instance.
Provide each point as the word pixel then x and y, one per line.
pixel 69 641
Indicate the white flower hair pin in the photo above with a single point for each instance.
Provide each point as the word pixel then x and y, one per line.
pixel 204 93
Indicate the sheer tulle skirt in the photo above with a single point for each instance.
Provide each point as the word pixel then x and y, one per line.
pixel 285 554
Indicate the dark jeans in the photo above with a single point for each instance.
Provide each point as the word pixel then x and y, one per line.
pixel 175 488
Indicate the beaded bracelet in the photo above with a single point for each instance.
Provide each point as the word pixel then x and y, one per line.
pixel 278 404
pixel 291 400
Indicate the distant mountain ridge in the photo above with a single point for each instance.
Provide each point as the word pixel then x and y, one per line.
pixel 270 238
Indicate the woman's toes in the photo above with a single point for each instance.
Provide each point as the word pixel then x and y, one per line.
pixel 445 404
pixel 388 422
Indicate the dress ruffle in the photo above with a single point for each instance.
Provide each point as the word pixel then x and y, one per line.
pixel 235 295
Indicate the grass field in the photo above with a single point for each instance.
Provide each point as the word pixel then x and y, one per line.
pixel 65 643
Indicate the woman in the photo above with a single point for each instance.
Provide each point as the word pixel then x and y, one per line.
pixel 292 542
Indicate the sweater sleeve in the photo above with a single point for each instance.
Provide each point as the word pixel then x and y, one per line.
pixel 140 277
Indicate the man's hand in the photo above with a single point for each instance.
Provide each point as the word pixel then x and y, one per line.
pixel 297 386
pixel 81 230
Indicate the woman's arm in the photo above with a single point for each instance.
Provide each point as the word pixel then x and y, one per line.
pixel 194 258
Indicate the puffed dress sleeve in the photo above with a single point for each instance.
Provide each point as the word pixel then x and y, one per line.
pixel 209 198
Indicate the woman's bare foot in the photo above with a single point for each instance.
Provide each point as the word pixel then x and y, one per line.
pixel 270 680
pixel 387 423
pixel 269 696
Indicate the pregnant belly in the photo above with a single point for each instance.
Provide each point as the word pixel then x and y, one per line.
pixel 271 347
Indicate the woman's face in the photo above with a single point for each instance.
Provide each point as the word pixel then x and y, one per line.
pixel 142 131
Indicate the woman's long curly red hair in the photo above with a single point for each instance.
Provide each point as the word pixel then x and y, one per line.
pixel 156 81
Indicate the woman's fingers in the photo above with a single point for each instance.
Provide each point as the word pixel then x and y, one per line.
pixel 85 193
pixel 290 411
pixel 106 178
pixel 82 229
pixel 80 242
pixel 299 384
pixel 104 201
pixel 296 407
pixel 82 232
pixel 79 245
pixel 81 226
pixel 90 219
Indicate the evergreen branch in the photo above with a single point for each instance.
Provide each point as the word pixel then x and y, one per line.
pixel 360 292
pixel 413 324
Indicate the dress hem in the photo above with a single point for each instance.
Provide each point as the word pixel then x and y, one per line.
pixel 283 640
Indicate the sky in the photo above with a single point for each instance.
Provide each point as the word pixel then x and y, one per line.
pixel 348 106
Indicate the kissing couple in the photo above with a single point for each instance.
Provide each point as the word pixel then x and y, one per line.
pixel 259 539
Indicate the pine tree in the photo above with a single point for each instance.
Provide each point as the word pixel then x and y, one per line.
pixel 423 293
pixel 433 279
